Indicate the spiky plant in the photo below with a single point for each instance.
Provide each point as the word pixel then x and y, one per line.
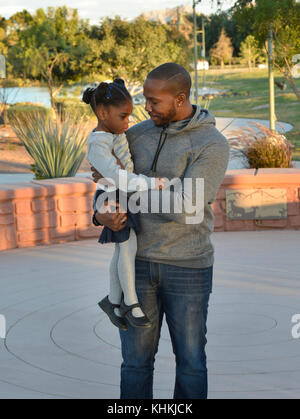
pixel 261 147
pixel 57 147
pixel 139 114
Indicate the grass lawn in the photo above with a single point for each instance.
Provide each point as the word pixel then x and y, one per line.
pixel 248 90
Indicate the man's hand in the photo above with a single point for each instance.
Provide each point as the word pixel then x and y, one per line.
pixel 114 216
pixel 96 175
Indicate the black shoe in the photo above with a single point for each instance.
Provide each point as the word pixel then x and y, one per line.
pixel 108 308
pixel 134 321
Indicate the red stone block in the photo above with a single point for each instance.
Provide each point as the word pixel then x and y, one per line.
pixel 36 221
pixel 72 220
pixel 281 223
pixel 23 207
pixel 221 194
pixel 74 204
pixel 88 232
pixel 291 194
pixel 62 233
pixel 239 225
pixel 223 205
pixel 22 190
pixel 7 237
pixel 40 205
pixel 294 220
pixel 6 208
pixel 219 221
pixel 33 237
pixel 68 220
pixel 68 186
pixel 293 208
pixel 84 219
pixel 6 219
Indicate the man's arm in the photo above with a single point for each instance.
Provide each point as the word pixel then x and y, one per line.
pixel 114 218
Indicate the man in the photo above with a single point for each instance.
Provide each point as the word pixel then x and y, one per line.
pixel 174 262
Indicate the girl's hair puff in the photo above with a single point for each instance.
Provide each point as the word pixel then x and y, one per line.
pixel 107 94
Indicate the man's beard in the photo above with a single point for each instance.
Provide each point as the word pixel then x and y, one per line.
pixel 164 120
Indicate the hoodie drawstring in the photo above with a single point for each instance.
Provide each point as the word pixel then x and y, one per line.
pixel 159 148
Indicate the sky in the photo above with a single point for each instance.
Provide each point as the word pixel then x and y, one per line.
pixel 94 10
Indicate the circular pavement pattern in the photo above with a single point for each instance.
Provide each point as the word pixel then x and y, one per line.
pixel 60 345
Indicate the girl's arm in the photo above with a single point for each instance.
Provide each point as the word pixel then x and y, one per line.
pixel 100 156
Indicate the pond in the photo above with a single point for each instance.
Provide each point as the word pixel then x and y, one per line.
pixel 41 95
pixel 27 94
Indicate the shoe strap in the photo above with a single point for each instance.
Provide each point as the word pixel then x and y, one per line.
pixel 128 308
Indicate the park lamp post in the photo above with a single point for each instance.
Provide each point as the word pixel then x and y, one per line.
pixel 195 2
pixel 271 81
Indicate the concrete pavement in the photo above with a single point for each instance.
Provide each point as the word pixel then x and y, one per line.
pixel 60 345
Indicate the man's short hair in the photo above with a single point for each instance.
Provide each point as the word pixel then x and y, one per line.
pixel 177 78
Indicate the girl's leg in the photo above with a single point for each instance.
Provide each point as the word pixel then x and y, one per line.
pixel 115 290
pixel 126 270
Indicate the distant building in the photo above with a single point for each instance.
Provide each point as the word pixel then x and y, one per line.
pixel 202 65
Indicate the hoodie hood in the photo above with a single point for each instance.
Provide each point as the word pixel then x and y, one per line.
pixel 201 118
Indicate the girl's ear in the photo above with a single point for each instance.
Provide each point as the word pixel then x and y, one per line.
pixel 102 112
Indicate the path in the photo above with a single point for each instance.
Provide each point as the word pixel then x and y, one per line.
pixel 60 345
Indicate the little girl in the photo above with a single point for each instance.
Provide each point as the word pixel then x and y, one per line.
pixel 112 104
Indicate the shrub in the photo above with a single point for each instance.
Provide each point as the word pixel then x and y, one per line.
pixel 70 107
pixel 261 147
pixel 139 114
pixel 21 110
pixel 57 147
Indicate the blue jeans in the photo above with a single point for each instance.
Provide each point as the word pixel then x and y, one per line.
pixel 181 294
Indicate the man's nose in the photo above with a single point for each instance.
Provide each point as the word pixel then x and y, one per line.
pixel 148 108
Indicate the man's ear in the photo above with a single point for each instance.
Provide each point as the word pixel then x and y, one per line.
pixel 180 100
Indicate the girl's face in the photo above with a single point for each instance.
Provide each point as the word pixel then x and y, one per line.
pixel 115 119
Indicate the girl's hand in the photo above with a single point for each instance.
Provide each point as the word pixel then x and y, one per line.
pixel 118 161
pixel 159 183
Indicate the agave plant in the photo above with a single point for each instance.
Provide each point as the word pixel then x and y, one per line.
pixel 139 114
pixel 261 147
pixel 56 146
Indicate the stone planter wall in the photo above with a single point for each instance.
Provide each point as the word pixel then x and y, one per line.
pixel 59 210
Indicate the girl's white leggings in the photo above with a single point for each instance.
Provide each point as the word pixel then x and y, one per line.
pixel 122 271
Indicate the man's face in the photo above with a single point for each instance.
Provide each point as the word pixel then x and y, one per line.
pixel 160 102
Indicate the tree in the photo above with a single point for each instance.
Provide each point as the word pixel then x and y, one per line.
pixel 250 51
pixel 51 45
pixel 131 49
pixel 222 50
pixel 283 18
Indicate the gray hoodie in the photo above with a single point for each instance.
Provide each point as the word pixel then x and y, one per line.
pixel 191 148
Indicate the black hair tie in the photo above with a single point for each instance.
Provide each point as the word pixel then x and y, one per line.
pixel 109 90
